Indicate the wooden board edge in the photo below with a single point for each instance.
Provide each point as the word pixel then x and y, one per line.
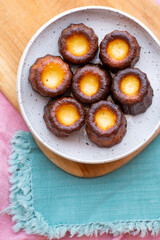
pixel 91 170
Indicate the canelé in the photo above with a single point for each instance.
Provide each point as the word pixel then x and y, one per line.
pixel 106 124
pixel 131 89
pixel 91 83
pixel 64 116
pixel 119 50
pixel 78 44
pixel 50 76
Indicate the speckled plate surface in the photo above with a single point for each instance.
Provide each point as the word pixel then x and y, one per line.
pixel 78 147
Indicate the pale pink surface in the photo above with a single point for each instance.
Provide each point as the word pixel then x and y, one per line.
pixel 10 122
pixel 157 1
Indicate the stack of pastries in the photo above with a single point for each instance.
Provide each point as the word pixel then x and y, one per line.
pixel 91 84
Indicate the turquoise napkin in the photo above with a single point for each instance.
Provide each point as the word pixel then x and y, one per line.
pixel 47 201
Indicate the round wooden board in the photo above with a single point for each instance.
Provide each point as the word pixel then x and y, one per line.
pixel 22 19
pixel 89 170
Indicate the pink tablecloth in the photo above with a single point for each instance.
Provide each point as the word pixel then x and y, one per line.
pixel 10 122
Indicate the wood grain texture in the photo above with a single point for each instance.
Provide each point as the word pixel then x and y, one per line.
pixel 20 19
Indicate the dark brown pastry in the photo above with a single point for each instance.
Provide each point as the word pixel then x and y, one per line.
pixel 91 83
pixel 78 44
pixel 64 116
pixel 132 91
pixel 106 124
pixel 50 76
pixel 119 50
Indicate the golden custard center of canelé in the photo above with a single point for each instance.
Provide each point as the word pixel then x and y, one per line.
pixel 105 118
pixel 118 49
pixel 130 85
pixel 77 44
pixel 53 75
pixel 89 84
pixel 67 114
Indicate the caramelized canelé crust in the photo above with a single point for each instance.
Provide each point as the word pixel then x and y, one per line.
pixel 64 116
pixel 50 76
pixel 78 44
pixel 106 124
pixel 119 50
pixel 132 91
pixel 91 83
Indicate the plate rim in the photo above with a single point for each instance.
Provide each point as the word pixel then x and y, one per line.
pixel 20 67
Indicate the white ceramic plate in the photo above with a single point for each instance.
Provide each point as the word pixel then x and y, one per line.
pixel 78 147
